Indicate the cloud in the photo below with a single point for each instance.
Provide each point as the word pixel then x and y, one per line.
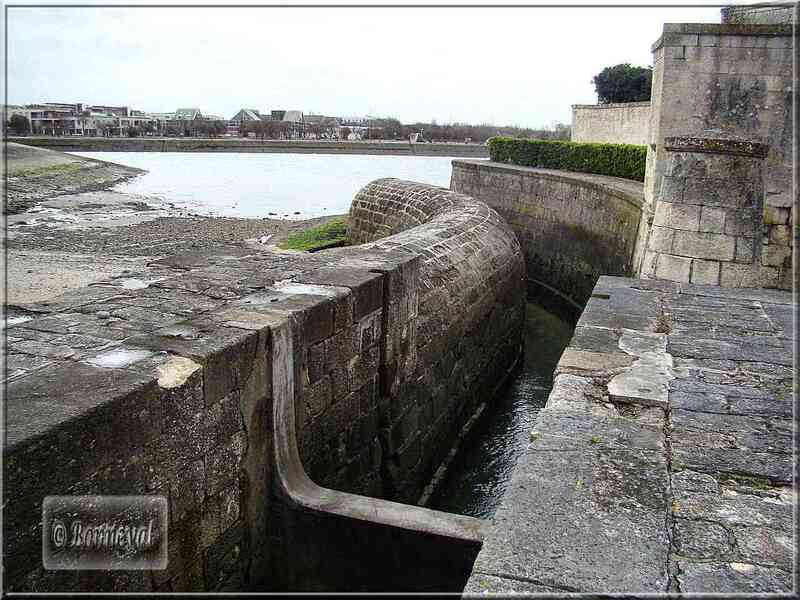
pixel 513 65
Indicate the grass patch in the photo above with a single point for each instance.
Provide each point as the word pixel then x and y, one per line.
pixel 48 170
pixel 327 235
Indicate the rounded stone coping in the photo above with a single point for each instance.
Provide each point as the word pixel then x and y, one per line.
pixel 393 213
pixel 716 143
pixel 625 189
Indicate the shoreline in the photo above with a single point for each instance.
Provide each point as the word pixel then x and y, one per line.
pixel 177 144
pixel 35 175
pixel 67 228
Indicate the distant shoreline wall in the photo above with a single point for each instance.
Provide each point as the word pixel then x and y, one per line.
pixel 106 144
pixel 621 123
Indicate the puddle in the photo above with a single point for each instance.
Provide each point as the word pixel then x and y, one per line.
pixel 286 287
pixel 134 283
pixel 16 320
pixel 119 358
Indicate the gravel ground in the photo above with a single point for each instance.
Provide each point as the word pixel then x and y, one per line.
pixel 158 237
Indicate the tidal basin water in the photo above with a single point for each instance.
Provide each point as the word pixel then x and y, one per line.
pixel 476 479
pixel 254 185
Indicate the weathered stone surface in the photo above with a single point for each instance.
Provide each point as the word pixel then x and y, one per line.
pixel 611 501
pixel 705 271
pixel 673 268
pixel 718 459
pixel 733 577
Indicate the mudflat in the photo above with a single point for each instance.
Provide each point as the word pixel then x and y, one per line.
pixel 66 227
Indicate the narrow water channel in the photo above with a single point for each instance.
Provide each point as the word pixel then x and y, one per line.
pixel 474 483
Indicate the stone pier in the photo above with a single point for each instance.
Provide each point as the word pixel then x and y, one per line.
pixel 708 213
pixel 662 462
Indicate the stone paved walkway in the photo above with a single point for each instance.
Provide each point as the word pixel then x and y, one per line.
pixel 663 460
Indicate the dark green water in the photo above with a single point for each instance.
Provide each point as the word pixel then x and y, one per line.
pixel 474 483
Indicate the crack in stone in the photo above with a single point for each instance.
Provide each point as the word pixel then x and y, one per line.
pixel 673 583
pixel 530 580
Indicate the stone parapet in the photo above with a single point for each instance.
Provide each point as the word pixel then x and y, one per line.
pixel 573 227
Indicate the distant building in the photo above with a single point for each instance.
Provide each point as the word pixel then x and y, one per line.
pixel 61 118
pixel 293 120
pixel 245 115
pixel 321 127
pixel 188 114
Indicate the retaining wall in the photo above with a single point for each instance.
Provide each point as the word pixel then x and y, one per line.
pixel 618 123
pixel 147 144
pixel 573 227
pixel 238 374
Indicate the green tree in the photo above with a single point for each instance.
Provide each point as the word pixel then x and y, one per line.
pixel 623 83
pixel 20 124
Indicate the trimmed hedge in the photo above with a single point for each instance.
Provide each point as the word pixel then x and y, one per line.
pixel 618 160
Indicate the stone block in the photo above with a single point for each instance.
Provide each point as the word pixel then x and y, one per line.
pixel 660 239
pixel 675 52
pixel 718 191
pixel 685 217
pixel 776 256
pixel 769 277
pixel 780 42
pixel 743 222
pixel 745 250
pixel 673 268
pixel 680 39
pixel 573 360
pixel 649 264
pixel 708 39
pixel 736 275
pixel 704 245
pixel 662 214
pixel 780 235
pixel 316 362
pixel 319 397
pixel 705 271
pixel 318 322
pixel 672 188
pixel 777 215
pixel 712 220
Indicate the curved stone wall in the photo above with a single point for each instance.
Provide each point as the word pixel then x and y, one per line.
pixel 467 329
pixel 258 392
pixel 573 227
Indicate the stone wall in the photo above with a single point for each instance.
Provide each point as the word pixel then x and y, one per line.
pixel 180 144
pixel 619 123
pixel 573 227
pixel 208 385
pixel 737 79
pixel 467 329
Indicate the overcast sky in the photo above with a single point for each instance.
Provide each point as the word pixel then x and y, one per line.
pixel 522 66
